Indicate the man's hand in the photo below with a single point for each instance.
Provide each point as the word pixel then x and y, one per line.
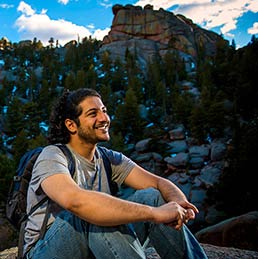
pixel 173 215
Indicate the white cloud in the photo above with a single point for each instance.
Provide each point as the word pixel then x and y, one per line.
pixel 99 34
pixel 91 26
pixel 25 8
pixel 106 4
pixel 254 29
pixel 208 14
pixel 31 24
pixel 6 6
pixel 65 2
pixel 253 6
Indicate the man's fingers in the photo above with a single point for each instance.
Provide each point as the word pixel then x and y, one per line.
pixel 190 214
pixel 184 215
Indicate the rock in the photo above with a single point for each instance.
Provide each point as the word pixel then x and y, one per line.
pixel 239 232
pixel 213 252
pixel 177 146
pixel 10 253
pixel 8 235
pixel 151 32
pixel 218 151
pixel 180 159
pixel 177 134
pixel 210 173
pixel 143 145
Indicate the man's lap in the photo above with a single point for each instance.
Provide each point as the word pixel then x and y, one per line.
pixel 71 236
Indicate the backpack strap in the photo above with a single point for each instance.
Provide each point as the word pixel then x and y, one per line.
pixel 107 164
pixel 69 156
pixel 26 163
pixel 71 167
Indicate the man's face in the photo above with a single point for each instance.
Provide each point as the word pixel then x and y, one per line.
pixel 94 121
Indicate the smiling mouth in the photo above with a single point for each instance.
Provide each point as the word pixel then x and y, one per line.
pixel 102 127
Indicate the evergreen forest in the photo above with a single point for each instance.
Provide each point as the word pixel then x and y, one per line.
pixel 141 104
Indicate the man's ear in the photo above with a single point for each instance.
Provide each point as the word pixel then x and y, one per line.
pixel 71 125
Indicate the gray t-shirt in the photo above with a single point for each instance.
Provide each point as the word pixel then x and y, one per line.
pixel 88 175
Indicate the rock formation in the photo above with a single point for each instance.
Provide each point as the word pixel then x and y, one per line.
pixel 239 232
pixel 148 33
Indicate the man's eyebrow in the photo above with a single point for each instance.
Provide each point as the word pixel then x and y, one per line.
pixel 95 109
pixel 90 110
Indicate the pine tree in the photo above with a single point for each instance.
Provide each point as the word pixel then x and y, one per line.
pixel 118 76
pixel 161 97
pixel 127 118
pixel 80 79
pixel 7 171
pixel 91 77
pixel 13 120
pixel 70 81
pixel 198 125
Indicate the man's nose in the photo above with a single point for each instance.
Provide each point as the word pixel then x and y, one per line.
pixel 103 116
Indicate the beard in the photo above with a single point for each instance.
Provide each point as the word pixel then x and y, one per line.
pixel 94 135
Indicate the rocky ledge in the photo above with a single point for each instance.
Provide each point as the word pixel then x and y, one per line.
pixel 213 252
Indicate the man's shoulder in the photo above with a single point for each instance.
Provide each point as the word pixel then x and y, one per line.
pixel 52 151
pixel 115 157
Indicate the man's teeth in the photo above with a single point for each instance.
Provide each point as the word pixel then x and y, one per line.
pixel 102 126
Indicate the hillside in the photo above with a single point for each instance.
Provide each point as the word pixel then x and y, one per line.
pixel 182 102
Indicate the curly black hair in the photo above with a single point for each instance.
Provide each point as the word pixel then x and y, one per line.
pixel 67 107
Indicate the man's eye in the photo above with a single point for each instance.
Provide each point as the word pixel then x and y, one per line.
pixel 92 114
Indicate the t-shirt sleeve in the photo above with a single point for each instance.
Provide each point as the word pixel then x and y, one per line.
pixel 50 161
pixel 121 166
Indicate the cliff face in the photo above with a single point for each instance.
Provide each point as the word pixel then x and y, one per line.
pixel 149 32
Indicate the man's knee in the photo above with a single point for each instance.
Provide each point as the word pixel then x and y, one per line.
pixel 149 196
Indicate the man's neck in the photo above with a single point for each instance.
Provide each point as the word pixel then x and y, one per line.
pixel 85 150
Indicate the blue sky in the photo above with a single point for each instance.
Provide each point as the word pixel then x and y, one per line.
pixel 65 20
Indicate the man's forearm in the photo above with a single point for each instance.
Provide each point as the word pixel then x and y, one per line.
pixel 170 191
pixel 103 209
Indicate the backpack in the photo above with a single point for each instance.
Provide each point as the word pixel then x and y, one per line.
pixel 17 197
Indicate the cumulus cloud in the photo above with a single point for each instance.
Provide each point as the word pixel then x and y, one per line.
pixel 254 29
pixel 99 34
pixel 208 14
pixel 252 6
pixel 32 24
pixel 25 9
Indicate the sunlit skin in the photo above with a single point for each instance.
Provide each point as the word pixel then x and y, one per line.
pixel 88 204
pixel 94 127
pixel 94 121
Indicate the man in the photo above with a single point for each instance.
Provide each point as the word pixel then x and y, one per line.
pixel 85 220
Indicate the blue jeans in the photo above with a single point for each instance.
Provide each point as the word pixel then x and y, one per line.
pixel 70 237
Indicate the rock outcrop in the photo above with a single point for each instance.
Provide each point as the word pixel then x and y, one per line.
pixel 213 252
pixel 239 232
pixel 148 33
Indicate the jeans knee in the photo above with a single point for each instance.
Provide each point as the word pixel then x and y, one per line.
pixel 157 197
pixel 149 196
